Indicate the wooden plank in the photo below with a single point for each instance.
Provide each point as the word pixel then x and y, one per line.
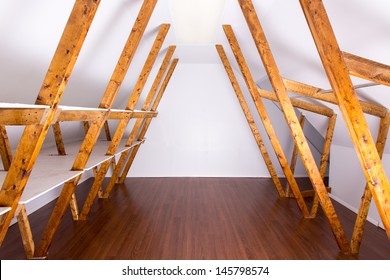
pixel 294 156
pixel 367 69
pixel 314 92
pixel 25 231
pixel 50 94
pixel 142 79
pixel 358 231
pixel 107 131
pixel 152 92
pixel 250 120
pixel 147 122
pixel 5 148
pixel 338 75
pixel 292 121
pixel 95 127
pixel 144 114
pixel 59 139
pixel 324 158
pixel 127 56
pixel 265 118
pixel 23 116
pixel 299 104
pixel 81 115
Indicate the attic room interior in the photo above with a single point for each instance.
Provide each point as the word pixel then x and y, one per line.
pixel 196 129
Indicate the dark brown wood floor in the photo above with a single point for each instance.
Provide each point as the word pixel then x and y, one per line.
pixel 195 218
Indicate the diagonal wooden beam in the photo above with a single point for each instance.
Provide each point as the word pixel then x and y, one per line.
pixel 250 120
pixel 314 92
pixel 59 139
pixel 252 87
pixel 361 219
pixel 50 94
pixel 299 104
pixel 338 75
pixel 367 69
pixel 147 122
pixel 95 127
pixel 324 158
pixel 147 68
pixel 292 121
pixel 5 148
pixel 138 124
pixel 294 156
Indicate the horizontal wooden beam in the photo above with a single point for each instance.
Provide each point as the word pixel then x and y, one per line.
pixel 23 116
pixel 315 92
pixel 299 104
pixel 367 69
pixel 81 115
pixel 125 114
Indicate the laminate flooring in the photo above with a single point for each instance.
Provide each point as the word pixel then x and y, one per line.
pixel 195 218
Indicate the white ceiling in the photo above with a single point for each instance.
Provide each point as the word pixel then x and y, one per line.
pixel 30 30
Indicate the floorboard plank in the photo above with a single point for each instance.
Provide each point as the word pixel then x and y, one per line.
pixel 195 218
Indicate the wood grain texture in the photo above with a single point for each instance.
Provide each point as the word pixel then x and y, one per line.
pixel 147 122
pixel 252 87
pixel 367 69
pixel 250 120
pixel 5 148
pixel 138 124
pixel 50 94
pixel 315 92
pixel 196 219
pixel 128 53
pixel 292 121
pixel 359 131
pixel 365 203
pixel 299 104
pixel 294 156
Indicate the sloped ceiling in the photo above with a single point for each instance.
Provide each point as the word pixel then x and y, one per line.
pixel 30 31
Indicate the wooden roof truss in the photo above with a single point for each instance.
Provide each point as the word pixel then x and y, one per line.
pixel 93 153
pixel 338 66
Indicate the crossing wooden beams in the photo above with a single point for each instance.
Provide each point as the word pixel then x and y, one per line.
pixel 292 121
pixel 250 120
pixel 50 94
pixel 96 125
pixel 338 74
pixel 138 124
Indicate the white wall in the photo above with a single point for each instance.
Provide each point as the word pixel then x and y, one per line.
pixel 347 180
pixel 200 131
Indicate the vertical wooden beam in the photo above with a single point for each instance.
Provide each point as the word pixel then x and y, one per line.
pixel 250 120
pixel 50 94
pixel 122 160
pixel 265 118
pixel 292 121
pixel 149 120
pixel 25 231
pixel 5 149
pixel 294 156
pixel 58 138
pixel 367 196
pixel 338 75
pixel 107 131
pixel 147 68
pixel 95 127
